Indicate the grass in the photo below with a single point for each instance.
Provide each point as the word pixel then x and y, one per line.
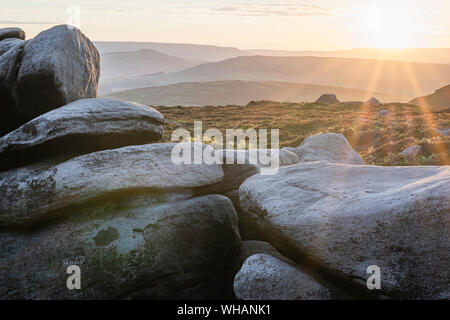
pixel 379 140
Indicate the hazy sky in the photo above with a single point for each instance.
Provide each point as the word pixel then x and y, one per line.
pixel 247 24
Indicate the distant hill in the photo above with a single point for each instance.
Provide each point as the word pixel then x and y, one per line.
pixel 406 79
pixel 141 62
pixel 428 55
pixel 193 52
pixel 207 53
pixel 240 92
pixel 438 101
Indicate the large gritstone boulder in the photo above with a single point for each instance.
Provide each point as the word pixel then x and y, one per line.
pixel 345 218
pixel 58 66
pixel 264 277
pixel 32 193
pixel 80 127
pixel 327 146
pixel 138 247
pixel 328 98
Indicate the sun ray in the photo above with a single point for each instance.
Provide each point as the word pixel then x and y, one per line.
pixel 426 110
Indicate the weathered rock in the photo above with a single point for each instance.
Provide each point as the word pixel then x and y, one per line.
pixel 247 228
pixel 287 157
pixel 7 33
pixel 131 248
pixel 328 98
pixel 345 218
pixel 444 132
pixel 263 277
pixel 263 158
pixel 383 113
pixel 290 149
pixel 328 146
pixel 7 44
pixel 80 127
pixel 411 153
pixel 58 66
pixel 9 62
pixel 252 247
pixel 32 193
pixel 233 176
pixel 233 195
pixel 373 101
pixel 238 165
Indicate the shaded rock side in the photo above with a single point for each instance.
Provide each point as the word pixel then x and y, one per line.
pixel 263 277
pixel 133 248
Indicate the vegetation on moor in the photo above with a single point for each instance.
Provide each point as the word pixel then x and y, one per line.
pixel 378 139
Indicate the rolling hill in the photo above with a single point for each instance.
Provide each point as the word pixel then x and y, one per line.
pixel 209 53
pixel 438 101
pixel 141 62
pixel 428 55
pixel 406 79
pixel 194 52
pixel 239 92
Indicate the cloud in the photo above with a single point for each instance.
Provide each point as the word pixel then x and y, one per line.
pixel 274 9
pixel 436 29
pixel 268 8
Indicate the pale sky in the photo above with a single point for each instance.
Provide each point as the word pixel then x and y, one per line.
pixel 246 24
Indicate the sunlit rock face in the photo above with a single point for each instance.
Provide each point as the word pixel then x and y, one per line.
pixel 38 191
pixel 142 246
pixel 262 158
pixel 58 66
pixel 345 218
pixel 81 127
pixel 327 146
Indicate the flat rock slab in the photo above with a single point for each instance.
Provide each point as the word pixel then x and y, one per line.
pixel 264 277
pixel 346 218
pixel 132 248
pixel 81 127
pixel 31 193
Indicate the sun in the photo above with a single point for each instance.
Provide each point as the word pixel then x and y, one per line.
pixel 389 29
